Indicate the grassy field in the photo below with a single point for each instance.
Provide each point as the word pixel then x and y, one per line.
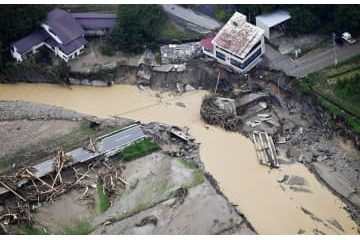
pixel 338 89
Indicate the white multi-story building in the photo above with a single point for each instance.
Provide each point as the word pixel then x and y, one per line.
pixel 238 44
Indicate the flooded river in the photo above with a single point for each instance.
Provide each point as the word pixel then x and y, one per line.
pixel 271 207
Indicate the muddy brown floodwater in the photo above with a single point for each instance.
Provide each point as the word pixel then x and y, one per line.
pixel 271 207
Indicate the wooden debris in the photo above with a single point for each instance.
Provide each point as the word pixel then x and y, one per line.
pixel 9 215
pixel 91 146
pixel 60 160
pixel 42 181
pixel 213 115
pixel 11 190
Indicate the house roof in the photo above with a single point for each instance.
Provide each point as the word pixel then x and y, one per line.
pixel 95 20
pixel 238 36
pixel 26 43
pixel 207 43
pixel 67 48
pixel 273 18
pixel 73 45
pixel 64 25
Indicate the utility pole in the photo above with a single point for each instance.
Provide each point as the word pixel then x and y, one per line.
pixel 217 81
pixel 334 44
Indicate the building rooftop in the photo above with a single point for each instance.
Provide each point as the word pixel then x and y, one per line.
pixel 207 43
pixel 64 25
pixel 273 18
pixel 95 20
pixel 26 43
pixel 238 36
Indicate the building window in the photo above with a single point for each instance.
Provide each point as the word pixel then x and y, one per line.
pixel 208 50
pixel 247 62
pixel 235 63
pixel 220 55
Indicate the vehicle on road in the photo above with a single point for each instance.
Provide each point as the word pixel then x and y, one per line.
pixel 347 37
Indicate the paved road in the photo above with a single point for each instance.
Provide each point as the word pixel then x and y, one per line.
pixel 312 61
pixel 188 16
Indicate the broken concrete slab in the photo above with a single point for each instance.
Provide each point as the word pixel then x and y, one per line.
pixel 297 180
pixel 180 67
pixel 164 68
pixel 179 87
pixel 189 88
pixel 282 177
pixel 180 104
pixel 251 97
pixel 321 158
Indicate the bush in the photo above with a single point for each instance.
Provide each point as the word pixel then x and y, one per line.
pixel 304 86
pixel 158 57
pixel 355 123
pixel 103 203
pixel 106 50
pixel 139 149
pixel 350 85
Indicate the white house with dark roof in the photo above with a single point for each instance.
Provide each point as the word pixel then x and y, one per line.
pixel 238 44
pixel 64 34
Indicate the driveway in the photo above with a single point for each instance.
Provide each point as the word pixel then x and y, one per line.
pixel 311 62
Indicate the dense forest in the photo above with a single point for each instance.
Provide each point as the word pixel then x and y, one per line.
pixel 137 26
pixel 17 21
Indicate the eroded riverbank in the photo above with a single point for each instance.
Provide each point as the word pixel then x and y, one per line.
pixel 271 207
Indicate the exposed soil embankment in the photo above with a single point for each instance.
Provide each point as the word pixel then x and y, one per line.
pixel 302 130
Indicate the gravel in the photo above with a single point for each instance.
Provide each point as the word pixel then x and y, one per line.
pixel 19 110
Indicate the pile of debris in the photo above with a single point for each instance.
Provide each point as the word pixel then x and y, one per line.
pixel 174 141
pixel 180 53
pixel 35 191
pixel 222 112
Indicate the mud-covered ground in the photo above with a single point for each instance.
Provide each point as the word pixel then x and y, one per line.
pixel 29 132
pixel 161 194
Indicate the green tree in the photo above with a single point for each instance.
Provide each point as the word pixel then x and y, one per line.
pixel 17 21
pixel 303 20
pixel 137 25
pixel 347 18
pixel 253 10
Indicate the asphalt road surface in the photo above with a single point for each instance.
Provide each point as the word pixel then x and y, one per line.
pixel 187 15
pixel 311 62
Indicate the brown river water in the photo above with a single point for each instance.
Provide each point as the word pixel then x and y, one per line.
pixel 271 207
